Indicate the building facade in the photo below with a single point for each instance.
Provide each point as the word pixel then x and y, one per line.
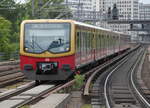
pixel 75 5
pixel 144 11
pixel 84 10
pixel 144 14
pixel 128 9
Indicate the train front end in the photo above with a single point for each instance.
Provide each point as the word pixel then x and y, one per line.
pixel 47 49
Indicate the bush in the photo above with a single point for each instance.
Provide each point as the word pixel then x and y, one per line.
pixel 79 81
pixel 6 46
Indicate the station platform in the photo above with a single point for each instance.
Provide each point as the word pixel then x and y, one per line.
pixel 53 101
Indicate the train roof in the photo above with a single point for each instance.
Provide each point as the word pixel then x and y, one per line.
pixel 96 27
pixel 75 22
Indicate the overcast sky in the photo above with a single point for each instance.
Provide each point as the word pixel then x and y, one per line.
pixel 144 1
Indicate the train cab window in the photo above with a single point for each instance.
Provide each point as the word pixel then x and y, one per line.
pixel 52 37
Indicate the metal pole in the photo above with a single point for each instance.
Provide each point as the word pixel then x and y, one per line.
pixel 78 10
pixel 40 4
pixel 67 16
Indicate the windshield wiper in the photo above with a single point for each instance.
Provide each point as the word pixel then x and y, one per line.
pixel 38 45
pixel 34 42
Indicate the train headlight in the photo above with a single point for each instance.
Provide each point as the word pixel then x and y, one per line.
pixel 67 49
pixel 26 49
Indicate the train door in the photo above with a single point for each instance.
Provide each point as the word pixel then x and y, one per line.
pixel 92 44
pixel 102 45
pixel 100 39
pixel 82 48
pixel 78 48
pixel 105 46
pixel 113 37
pixel 99 44
pixel 96 45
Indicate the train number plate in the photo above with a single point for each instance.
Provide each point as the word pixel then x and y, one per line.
pixel 47 66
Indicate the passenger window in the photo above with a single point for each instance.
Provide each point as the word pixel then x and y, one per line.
pixel 78 42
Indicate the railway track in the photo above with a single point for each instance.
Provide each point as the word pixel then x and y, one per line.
pixel 142 92
pixel 30 95
pixel 10 72
pixel 30 91
pixel 116 86
pixel 97 80
pixel 120 89
pixel 33 97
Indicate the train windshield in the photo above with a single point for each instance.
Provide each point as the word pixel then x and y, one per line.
pixel 52 37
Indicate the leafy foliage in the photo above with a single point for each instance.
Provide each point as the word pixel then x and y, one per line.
pixel 79 81
pixel 5 34
pixel 12 14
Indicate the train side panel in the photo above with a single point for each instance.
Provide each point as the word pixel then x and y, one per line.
pixel 84 46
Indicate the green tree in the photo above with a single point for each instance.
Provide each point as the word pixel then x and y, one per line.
pixel 8 9
pixel 15 13
pixel 5 33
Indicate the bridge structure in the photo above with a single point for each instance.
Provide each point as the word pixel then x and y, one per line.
pixel 144 24
pixel 144 29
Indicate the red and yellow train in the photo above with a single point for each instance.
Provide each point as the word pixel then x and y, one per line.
pixel 55 49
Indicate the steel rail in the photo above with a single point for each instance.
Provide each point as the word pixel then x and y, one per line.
pixel 36 97
pixel 101 67
pixel 4 83
pixel 134 85
pixel 108 105
pixel 55 89
pixel 106 81
pixel 17 91
pixel 52 90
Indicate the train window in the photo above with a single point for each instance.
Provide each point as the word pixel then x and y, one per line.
pixel 108 38
pixel 99 41
pixel 93 41
pixel 52 37
pixel 78 41
pixel 82 43
pixel 104 41
pixel 89 42
pixel 86 42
